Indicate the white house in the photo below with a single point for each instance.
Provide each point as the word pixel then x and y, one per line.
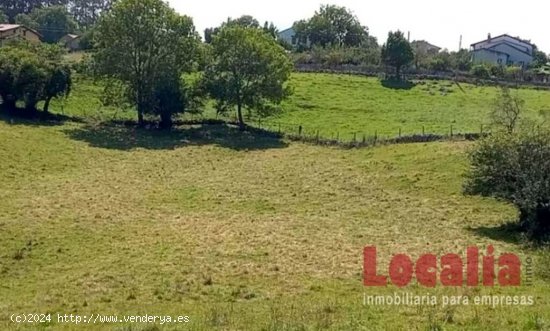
pixel 503 50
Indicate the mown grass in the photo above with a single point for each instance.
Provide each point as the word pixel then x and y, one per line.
pixel 240 232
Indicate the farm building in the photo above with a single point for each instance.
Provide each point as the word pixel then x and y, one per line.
pixel 16 31
pixel 503 50
pixel 425 47
pixel 289 36
pixel 70 42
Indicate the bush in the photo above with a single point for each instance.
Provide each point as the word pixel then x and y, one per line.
pixel 481 71
pixel 515 168
pixel 497 71
pixel 513 73
pixel 31 74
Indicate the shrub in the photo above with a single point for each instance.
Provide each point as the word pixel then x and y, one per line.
pixel 31 74
pixel 481 71
pixel 513 73
pixel 497 71
pixel 515 168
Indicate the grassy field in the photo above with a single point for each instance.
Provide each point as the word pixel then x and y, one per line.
pixel 239 232
pixel 351 104
pixel 340 105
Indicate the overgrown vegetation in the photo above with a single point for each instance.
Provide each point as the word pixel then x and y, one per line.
pixel 32 73
pixel 513 164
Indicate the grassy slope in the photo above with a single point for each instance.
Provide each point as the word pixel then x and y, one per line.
pixel 345 105
pixel 238 233
pixel 352 104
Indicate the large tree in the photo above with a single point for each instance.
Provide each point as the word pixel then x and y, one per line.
pixel 332 25
pixel 245 21
pixel 87 12
pixel 249 70
pixel 3 18
pixel 397 52
pixel 138 42
pixel 12 8
pixel 53 23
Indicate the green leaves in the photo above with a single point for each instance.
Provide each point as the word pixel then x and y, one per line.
pixel 397 51
pixel 515 168
pixel 140 42
pixel 332 25
pixel 31 74
pixel 249 69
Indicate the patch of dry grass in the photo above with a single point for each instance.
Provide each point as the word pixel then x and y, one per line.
pixel 239 236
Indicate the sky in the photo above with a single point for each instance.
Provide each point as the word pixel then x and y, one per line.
pixel 439 22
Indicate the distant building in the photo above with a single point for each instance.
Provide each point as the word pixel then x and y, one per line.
pixel 70 42
pixel 425 47
pixel 503 50
pixel 288 36
pixel 17 32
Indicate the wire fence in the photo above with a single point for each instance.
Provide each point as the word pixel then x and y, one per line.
pixel 298 132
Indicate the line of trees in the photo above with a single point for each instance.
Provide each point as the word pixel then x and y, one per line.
pixel 152 59
pixel 150 49
pixel 85 13
pixel 335 36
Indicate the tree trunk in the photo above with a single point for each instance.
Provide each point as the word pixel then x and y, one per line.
pixel 166 120
pixel 30 105
pixel 240 116
pixel 8 103
pixel 47 105
pixel 141 122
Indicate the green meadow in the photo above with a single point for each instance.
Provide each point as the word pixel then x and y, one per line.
pixel 345 106
pixel 241 231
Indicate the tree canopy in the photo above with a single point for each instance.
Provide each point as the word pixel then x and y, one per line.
pixel 139 43
pixel 249 69
pixel 3 18
pixel 245 21
pixel 397 51
pixel 32 73
pixel 52 22
pixel 85 13
pixel 332 25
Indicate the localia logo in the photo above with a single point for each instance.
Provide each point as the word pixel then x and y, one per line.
pixel 450 270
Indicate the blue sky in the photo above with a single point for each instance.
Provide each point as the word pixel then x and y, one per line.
pixel 439 22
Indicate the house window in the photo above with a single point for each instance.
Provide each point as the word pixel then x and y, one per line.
pixel 521 63
pixel 293 40
pixel 499 61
